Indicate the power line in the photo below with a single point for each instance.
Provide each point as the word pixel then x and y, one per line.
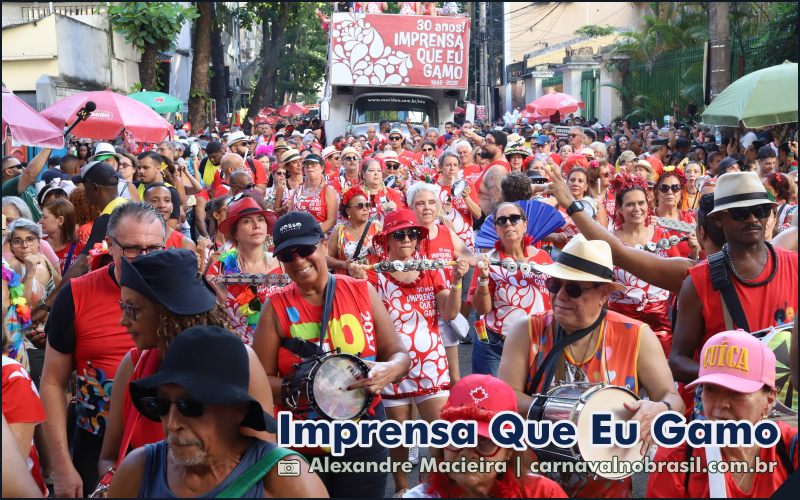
pixel 530 28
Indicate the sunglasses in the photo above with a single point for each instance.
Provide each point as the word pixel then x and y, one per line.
pixel 486 448
pixel 335 158
pixel 361 206
pixel 427 150
pixel 392 166
pixel 395 138
pixel 413 234
pixel 279 173
pixel 743 213
pixel 248 186
pixel 573 290
pixel 505 219
pixel 155 407
pixel 301 251
pixel 666 188
pixel 350 158
pixel 129 310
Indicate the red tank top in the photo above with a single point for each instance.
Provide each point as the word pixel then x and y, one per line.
pixel 100 344
pixel 144 431
pixel 502 163
pixel 315 205
pixel 772 304
pixel 440 247
pixel 175 239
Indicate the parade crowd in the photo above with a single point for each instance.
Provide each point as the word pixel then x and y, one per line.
pixel 161 301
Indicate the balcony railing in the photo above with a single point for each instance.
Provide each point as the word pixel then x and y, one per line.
pixel 36 10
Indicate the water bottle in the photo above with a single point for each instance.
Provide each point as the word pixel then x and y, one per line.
pixel 718 137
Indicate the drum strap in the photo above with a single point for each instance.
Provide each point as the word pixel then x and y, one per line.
pixel 327 305
pixel 547 369
pixel 361 240
pixel 731 305
pixel 303 348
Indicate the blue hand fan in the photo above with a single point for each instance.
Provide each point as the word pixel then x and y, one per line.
pixel 542 220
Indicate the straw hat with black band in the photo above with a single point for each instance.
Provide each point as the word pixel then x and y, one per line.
pixel 739 189
pixel 290 155
pixel 583 260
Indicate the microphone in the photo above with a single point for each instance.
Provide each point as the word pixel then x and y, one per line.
pixel 82 114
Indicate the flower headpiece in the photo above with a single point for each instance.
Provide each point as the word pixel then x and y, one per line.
pixel 673 170
pixel 351 193
pixel 625 182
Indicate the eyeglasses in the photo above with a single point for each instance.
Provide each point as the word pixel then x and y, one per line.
pixel 131 252
pixel 24 242
pixel 505 219
pixel 427 150
pixel 246 186
pixel 392 166
pixel 125 164
pixel 336 158
pixel 666 188
pixel 350 158
pixel 413 234
pixel 301 251
pixel 129 310
pixel 279 173
pixel 741 214
pixel 486 448
pixel 396 138
pixel 574 290
pixel 155 407
pixel 361 206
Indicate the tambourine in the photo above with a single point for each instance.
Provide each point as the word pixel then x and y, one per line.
pixel 253 279
pixel 390 181
pixel 509 265
pixel 393 266
pixel 458 188
pixel 674 225
pixel 662 244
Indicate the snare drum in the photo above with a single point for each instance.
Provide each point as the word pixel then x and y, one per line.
pixel 577 403
pixel 320 385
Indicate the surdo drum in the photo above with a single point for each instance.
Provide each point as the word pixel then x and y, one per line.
pixel 577 403
pixel 319 384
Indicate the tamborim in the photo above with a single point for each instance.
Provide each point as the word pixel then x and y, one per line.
pixel 458 188
pixel 320 385
pixel 390 181
pixel 779 340
pixel 577 403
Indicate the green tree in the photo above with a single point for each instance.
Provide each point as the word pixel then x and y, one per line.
pixel 201 43
pixel 595 31
pixel 151 27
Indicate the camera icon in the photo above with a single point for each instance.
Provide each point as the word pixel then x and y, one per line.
pixel 289 468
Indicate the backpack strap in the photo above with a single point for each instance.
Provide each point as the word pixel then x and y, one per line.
pixel 252 166
pixel 255 473
pixel 731 305
pixel 785 455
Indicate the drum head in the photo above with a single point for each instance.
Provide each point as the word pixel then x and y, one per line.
pixel 330 382
pixel 606 399
pixel 458 188
pixel 390 181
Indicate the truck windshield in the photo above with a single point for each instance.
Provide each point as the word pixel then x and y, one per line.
pixel 373 109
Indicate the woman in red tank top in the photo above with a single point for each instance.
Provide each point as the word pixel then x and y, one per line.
pixel 641 300
pixel 315 195
pixel 152 326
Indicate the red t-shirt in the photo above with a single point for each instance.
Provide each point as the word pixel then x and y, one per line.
pixel 772 304
pixel 256 170
pixel 460 216
pixel 472 173
pixel 683 246
pixel 672 484
pixel 385 194
pixel 21 404
pixel 502 163
pixel 62 254
pixel 342 184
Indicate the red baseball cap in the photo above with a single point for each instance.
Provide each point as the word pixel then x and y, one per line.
pixel 479 397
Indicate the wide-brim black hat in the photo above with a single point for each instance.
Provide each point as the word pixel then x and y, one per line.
pixel 169 277
pixel 211 364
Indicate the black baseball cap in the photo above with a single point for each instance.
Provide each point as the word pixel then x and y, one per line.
pixel 296 229
pixel 313 158
pixel 99 172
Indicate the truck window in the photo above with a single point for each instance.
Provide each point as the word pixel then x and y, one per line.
pixel 373 109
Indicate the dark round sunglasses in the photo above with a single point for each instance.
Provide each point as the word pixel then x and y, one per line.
pixel 743 213
pixel 573 290
pixel 666 188
pixel 505 219
pixel 413 234
pixel 155 407
pixel 301 251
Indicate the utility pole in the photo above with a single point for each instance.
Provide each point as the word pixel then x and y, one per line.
pixel 484 56
pixel 719 47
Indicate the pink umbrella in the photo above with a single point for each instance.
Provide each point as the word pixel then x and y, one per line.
pixel 292 109
pixel 114 113
pixel 550 103
pixel 27 127
pixel 533 116
pixel 267 111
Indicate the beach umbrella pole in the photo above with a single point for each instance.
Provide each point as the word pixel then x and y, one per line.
pixel 83 114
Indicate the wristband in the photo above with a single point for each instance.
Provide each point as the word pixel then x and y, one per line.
pixel 669 406
pixel 455 287
pixel 483 281
pixel 42 305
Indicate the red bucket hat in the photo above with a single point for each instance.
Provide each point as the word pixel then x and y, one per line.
pixel 238 209
pixel 397 220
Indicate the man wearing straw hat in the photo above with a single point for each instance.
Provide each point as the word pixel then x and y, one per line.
pixel 580 341
pixel 750 284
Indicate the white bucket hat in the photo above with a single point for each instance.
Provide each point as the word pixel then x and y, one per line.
pixel 104 149
pixel 739 189
pixel 583 260
pixel 235 137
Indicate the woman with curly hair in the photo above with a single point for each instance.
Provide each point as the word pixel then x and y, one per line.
pixel 785 196
pixel 154 315
pixel 342 244
pixel 669 190
pixel 634 227
pixel 85 213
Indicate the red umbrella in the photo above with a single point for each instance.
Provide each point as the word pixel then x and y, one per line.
pixel 271 119
pixel 267 111
pixel 550 103
pixel 459 111
pixel 292 109
pixel 27 127
pixel 114 113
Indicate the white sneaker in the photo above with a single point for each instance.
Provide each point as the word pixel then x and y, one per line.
pixel 413 455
